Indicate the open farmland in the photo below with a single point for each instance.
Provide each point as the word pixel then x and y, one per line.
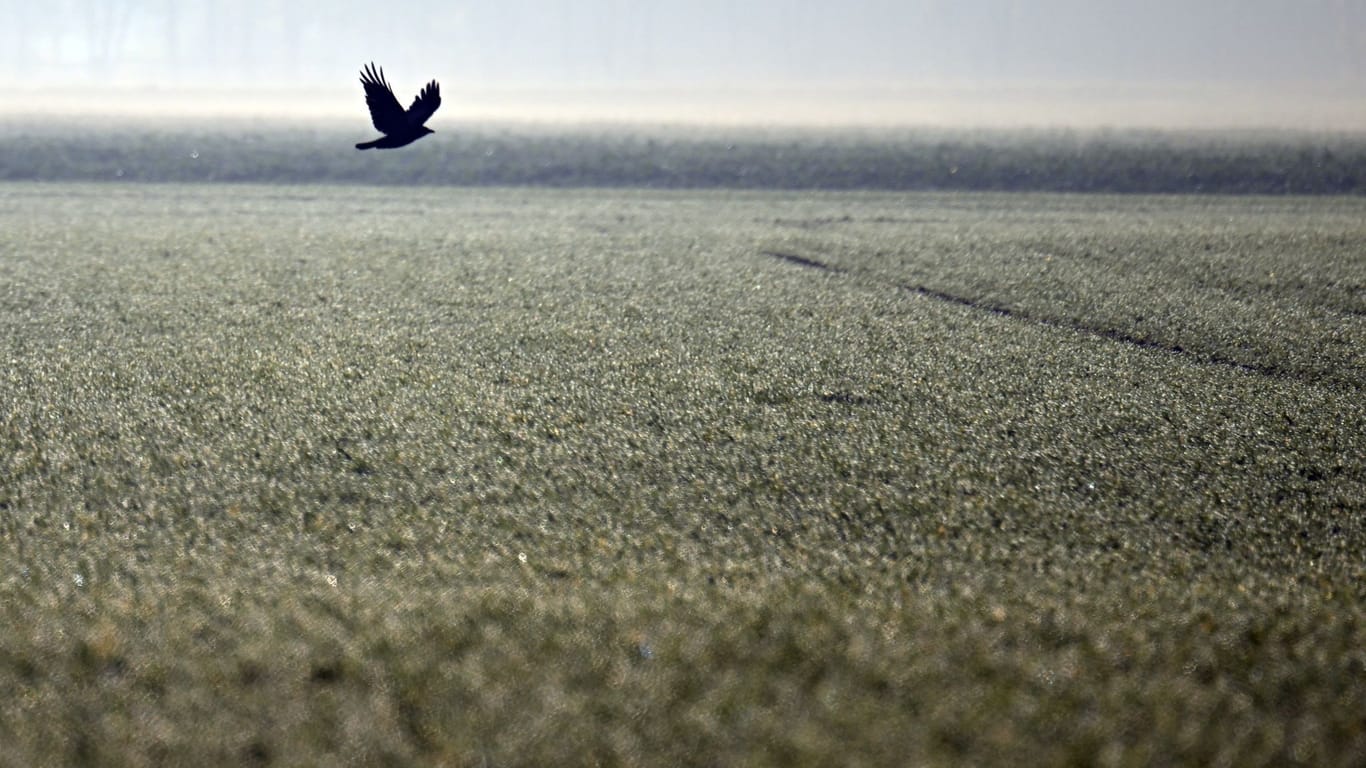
pixel 515 476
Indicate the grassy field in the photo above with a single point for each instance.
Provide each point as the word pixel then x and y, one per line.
pixel 301 475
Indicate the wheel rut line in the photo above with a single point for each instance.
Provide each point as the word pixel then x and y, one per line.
pixel 805 261
pixel 1110 334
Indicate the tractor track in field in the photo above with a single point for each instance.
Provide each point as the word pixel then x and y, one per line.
pixel 1109 334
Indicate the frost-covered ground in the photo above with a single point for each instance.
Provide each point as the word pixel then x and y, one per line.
pixel 446 475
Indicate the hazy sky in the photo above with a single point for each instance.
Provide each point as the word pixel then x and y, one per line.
pixel 1312 50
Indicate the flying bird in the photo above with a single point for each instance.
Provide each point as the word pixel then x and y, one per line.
pixel 400 128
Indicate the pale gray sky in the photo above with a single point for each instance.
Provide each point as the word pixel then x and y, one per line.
pixel 1271 61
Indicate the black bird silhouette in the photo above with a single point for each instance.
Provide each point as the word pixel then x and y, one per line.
pixel 400 128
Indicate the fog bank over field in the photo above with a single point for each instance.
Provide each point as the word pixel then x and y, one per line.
pixel 940 106
pixel 1254 63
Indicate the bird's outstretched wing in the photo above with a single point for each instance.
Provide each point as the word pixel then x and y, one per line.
pixel 385 111
pixel 424 105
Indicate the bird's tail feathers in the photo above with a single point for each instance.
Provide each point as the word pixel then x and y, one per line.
pixel 367 144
